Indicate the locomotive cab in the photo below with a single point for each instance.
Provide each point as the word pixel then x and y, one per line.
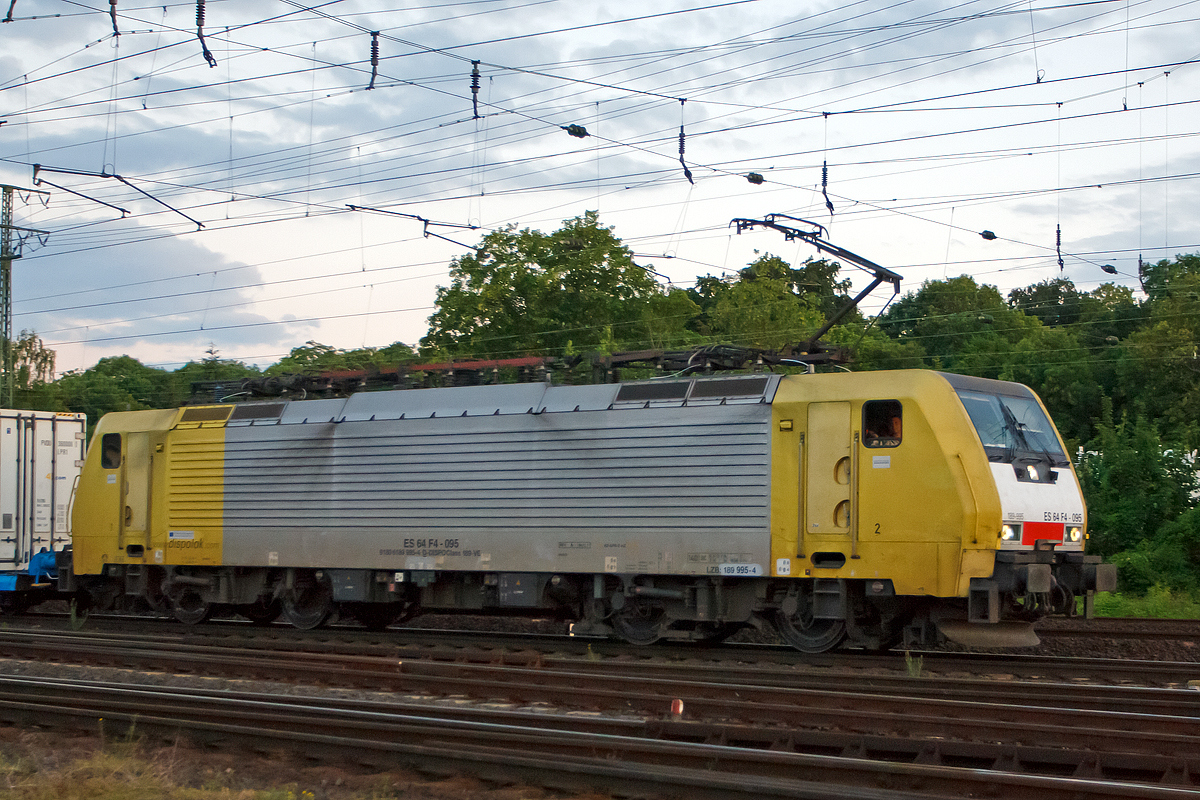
pixel 927 504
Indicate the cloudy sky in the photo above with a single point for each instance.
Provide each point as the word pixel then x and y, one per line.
pixel 230 225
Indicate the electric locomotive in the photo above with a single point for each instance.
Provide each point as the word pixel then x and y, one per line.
pixel 858 508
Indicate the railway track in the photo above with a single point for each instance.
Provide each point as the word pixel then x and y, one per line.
pixel 1087 735
pixel 1121 628
pixel 573 752
pixel 523 648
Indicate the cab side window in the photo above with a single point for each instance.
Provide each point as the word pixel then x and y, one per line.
pixel 883 423
pixel 110 451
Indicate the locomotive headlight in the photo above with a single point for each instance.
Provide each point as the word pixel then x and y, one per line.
pixel 1009 533
pixel 1074 533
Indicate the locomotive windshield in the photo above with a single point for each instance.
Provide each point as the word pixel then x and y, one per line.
pixel 1012 427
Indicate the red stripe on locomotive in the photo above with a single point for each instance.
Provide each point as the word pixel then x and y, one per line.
pixel 1032 531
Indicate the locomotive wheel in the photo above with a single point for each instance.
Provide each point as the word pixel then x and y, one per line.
pixel 640 623
pixel 809 635
pixel 261 612
pixel 309 604
pixel 190 608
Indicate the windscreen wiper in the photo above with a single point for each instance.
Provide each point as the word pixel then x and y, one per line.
pixel 1011 423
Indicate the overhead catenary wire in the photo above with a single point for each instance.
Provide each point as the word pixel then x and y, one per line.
pixel 332 186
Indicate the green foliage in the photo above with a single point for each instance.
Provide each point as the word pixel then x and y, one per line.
pixel 769 304
pixel 961 326
pixel 118 383
pixel 33 362
pixel 1170 559
pixel 1158 601
pixel 212 368
pixel 314 358
pixel 913 666
pixel 526 293
pixel 765 313
pixel 77 618
pixel 1134 484
pixel 1054 301
pixel 1169 278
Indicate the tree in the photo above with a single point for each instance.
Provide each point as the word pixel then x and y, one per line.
pixel 33 362
pixel 961 325
pixel 1163 278
pixel 816 280
pixel 119 383
pixel 1055 301
pixel 1152 363
pixel 33 373
pixel 664 318
pixel 313 358
pixel 768 304
pixel 1134 483
pixel 764 313
pixel 530 293
pixel 1109 311
pixel 210 368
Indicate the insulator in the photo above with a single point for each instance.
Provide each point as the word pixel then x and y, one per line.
pixel 825 186
pixel 988 235
pixel 578 131
pixel 208 56
pixel 475 88
pixel 755 178
pixel 1058 247
pixel 681 141
pixel 374 58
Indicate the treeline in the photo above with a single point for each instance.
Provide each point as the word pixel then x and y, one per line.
pixel 1119 373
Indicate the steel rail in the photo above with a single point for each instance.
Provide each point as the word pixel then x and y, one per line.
pixel 557 757
pixel 1182 630
pixel 348 639
pixel 914 724
pixel 367 671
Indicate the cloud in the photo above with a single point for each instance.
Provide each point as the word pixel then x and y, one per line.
pixel 269 148
pixel 164 299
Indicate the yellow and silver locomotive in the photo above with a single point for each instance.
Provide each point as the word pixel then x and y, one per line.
pixel 859 508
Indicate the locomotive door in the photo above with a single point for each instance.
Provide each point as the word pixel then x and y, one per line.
pixel 135 493
pixel 828 492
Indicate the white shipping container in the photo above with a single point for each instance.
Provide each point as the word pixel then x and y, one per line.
pixel 41 456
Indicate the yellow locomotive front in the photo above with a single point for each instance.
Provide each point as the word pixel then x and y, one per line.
pixel 915 502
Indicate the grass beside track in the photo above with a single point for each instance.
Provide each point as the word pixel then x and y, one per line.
pixel 1159 602
pixel 55 766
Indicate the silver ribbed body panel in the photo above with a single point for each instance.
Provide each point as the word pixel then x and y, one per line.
pixel 675 489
